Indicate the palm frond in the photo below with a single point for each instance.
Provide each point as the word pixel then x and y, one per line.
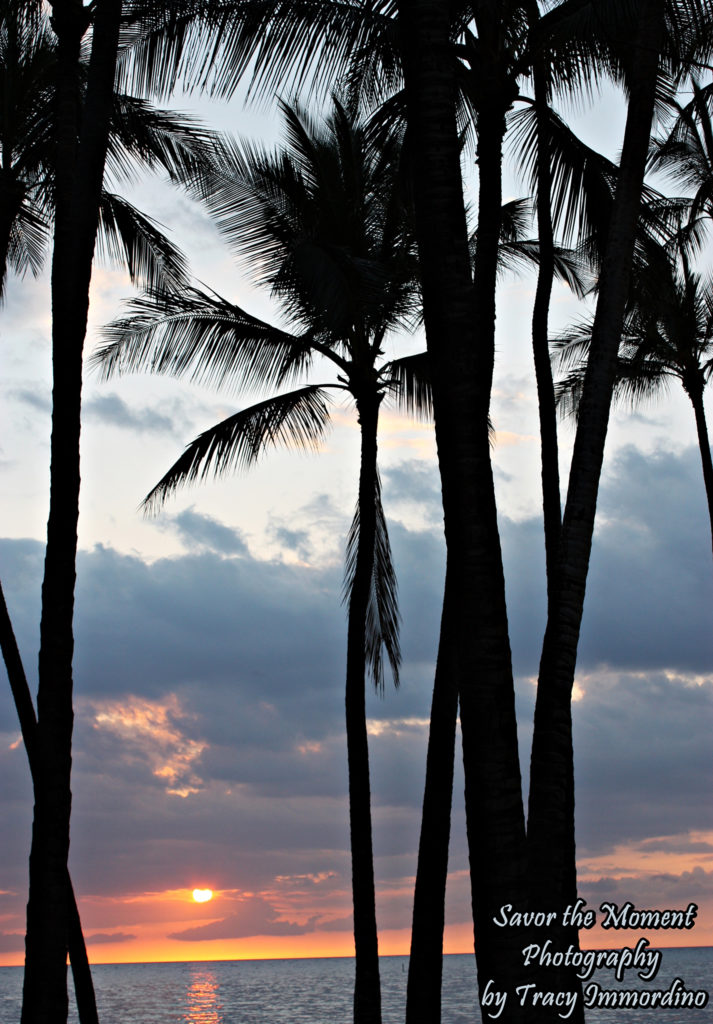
pixel 213 44
pixel 515 219
pixel 637 381
pixel 144 136
pixel 583 181
pixel 572 346
pixel 29 239
pixel 128 237
pixel 295 420
pixel 410 386
pixel 203 338
pixel 382 617
pixel 570 266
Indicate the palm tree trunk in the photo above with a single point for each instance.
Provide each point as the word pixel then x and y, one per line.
pixel 696 396
pixel 81 973
pixel 78 181
pixel 551 506
pixel 425 969
pixel 367 989
pixel 551 806
pixel 459 333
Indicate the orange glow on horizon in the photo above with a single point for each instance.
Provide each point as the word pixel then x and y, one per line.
pixel 153 947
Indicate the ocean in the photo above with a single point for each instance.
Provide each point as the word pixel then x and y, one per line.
pixel 320 991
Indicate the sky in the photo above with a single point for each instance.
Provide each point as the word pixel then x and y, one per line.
pixel 209 747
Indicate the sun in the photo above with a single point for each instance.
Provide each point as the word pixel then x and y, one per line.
pixel 202 895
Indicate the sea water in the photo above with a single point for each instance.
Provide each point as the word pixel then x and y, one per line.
pixel 320 991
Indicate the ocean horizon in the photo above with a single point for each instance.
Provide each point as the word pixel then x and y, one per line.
pixel 319 991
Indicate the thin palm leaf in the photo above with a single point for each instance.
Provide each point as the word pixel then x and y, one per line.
pixel 204 338
pixel 382 617
pixel 130 237
pixel 297 420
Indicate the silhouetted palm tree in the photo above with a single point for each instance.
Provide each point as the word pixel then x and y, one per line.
pixel 326 223
pixel 60 118
pixel 141 137
pixel 685 152
pixel 480 629
pixel 659 37
pixel 668 334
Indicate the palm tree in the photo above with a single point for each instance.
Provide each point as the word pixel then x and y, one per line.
pixel 326 223
pixel 82 130
pixel 667 334
pixel 481 647
pixel 61 123
pixel 659 36
pixel 686 151
pixel 141 137
pixel 459 324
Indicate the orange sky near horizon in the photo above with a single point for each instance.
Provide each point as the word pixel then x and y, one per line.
pixel 151 944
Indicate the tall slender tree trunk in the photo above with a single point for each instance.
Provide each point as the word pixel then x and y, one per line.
pixel 460 333
pixel 425 969
pixel 81 973
pixel 551 505
pixel 551 806
pixel 367 988
pixel 696 396
pixel 79 169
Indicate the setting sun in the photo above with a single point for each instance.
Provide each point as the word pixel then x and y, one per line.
pixel 202 895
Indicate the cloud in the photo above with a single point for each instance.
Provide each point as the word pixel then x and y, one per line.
pixel 642 757
pixel 12 942
pixel 102 937
pixel 254 917
pixel 228 673
pixel 40 402
pixel 152 731
pixel 662 889
pixel 111 410
pixel 203 532
pixel 297 541
pixel 414 482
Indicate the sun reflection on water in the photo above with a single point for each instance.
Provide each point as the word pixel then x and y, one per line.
pixel 203 1006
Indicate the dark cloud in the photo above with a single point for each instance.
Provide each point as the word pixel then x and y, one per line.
pixel 101 937
pixel 414 482
pixel 199 531
pixel 114 411
pixel 244 659
pixel 650 591
pixel 255 916
pixel 643 768
pixel 292 540
pixel 664 889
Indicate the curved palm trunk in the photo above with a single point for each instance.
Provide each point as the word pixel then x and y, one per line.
pixel 425 969
pixel 551 507
pixel 81 973
pixel 562 980
pixel 551 806
pixel 79 173
pixel 460 334
pixel 367 989
pixel 696 396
